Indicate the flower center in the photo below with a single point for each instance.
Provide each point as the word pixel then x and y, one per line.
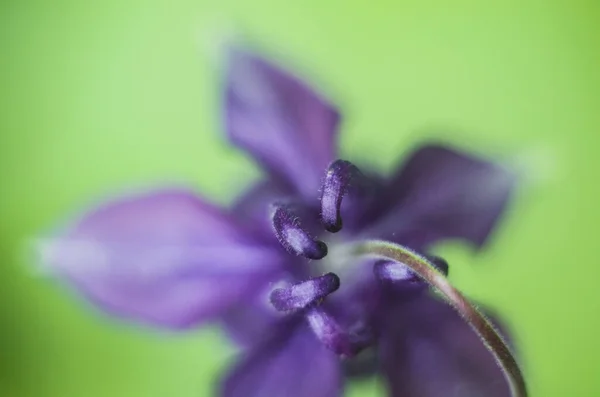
pixel 306 296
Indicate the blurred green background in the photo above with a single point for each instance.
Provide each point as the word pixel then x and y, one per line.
pixel 98 96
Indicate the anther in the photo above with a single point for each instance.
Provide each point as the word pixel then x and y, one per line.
pixel 392 272
pixel 338 178
pixel 440 263
pixel 333 336
pixel 305 294
pixel 293 237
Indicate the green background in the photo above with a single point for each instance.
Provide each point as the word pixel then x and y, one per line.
pixel 99 96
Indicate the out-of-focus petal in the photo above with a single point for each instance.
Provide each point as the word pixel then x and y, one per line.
pixel 441 193
pixel 292 363
pixel 282 122
pixel 249 323
pixel 253 206
pixel 362 366
pixel 427 350
pixel 165 257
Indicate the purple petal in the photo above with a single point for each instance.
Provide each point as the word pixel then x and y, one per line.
pixel 287 126
pixel 362 366
pixel 165 257
pixel 292 363
pixel 248 323
pixel 427 350
pixel 254 206
pixel 441 193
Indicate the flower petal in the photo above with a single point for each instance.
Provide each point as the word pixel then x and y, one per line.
pixel 427 350
pixel 441 193
pixel 164 257
pixel 253 206
pixel 282 122
pixel 248 323
pixel 291 363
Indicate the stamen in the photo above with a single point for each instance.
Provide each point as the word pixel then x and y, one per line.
pixel 331 334
pixel 440 263
pixel 293 237
pixel 337 180
pixel 305 294
pixel 394 272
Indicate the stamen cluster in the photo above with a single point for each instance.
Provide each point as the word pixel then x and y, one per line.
pixel 306 296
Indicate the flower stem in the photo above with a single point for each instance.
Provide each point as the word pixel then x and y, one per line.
pixel 490 337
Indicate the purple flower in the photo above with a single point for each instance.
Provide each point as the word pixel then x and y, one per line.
pixel 277 268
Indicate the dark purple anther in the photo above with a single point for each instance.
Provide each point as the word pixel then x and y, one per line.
pixel 337 180
pixel 332 335
pixel 440 263
pixel 293 237
pixel 305 294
